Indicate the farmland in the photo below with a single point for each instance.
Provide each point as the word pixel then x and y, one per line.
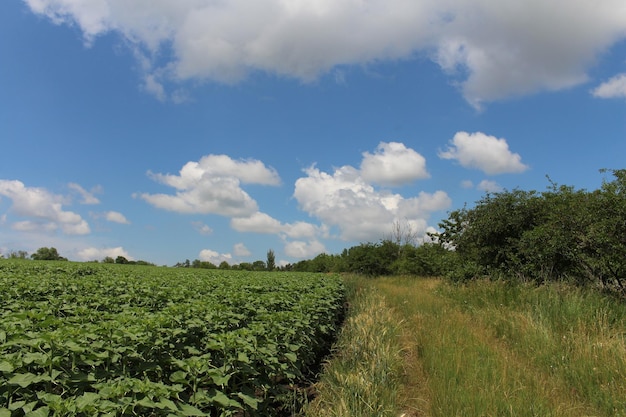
pixel 95 339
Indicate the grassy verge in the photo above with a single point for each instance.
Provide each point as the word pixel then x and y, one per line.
pixel 363 377
pixel 481 349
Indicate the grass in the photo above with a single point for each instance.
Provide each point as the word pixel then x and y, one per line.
pixel 363 378
pixel 487 348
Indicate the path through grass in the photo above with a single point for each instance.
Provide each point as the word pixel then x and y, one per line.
pixel 497 349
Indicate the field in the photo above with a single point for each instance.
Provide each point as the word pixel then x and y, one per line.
pixel 117 340
pixel 485 348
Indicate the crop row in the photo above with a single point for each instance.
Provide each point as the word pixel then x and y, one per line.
pixel 82 339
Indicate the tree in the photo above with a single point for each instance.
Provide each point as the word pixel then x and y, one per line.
pixel 271 260
pixel 121 260
pixel 20 254
pixel 224 265
pixel 108 260
pixel 258 266
pixel 47 254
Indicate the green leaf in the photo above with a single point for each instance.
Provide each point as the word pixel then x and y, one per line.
pixel 189 410
pixel 23 380
pixel 5 412
pixel 179 377
pixel 249 401
pixel 40 412
pixel 242 357
pixel 146 402
pixel 87 399
pixel 27 408
pixel 165 403
pixel 6 366
pixel 221 398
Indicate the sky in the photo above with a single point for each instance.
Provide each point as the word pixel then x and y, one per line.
pixel 219 129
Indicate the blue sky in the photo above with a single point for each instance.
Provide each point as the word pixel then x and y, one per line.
pixel 195 129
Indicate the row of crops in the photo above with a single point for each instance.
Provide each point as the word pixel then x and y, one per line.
pixel 117 340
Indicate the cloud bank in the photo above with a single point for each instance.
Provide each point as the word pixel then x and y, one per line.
pixel 492 48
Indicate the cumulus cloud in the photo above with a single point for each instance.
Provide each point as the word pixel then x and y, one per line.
pixel 90 254
pixel 44 209
pixel 486 153
pixel 489 186
pixel 346 200
pixel 116 217
pixel 264 223
pixel 613 88
pixel 301 249
pixel 494 48
pixel 393 164
pixel 216 258
pixel 213 186
pixel 239 249
pixel 111 216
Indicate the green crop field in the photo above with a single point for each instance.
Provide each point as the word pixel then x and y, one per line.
pixel 117 340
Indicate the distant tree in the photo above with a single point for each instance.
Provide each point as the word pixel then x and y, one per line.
pixel 20 254
pixel 47 254
pixel 271 260
pixel 121 260
pixel 108 260
pixel 245 266
pixel 203 264
pixel 258 265
pixel 224 265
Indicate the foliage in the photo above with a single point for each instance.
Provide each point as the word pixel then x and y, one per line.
pixel 20 254
pixel 101 339
pixel 559 234
pixel 47 254
pixel 271 260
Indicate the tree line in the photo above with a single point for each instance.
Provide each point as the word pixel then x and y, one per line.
pixel 560 234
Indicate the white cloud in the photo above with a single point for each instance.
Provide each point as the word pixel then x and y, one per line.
pixel 496 48
pixel 202 228
pixel 213 186
pixel 257 222
pixel 613 88
pixel 300 249
pixel 344 199
pixel 88 197
pixel 264 223
pixel 393 164
pixel 46 209
pixel 34 226
pixel 486 153
pixel 116 217
pixel 90 254
pixel 216 258
pixel 239 249
pixel 489 186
